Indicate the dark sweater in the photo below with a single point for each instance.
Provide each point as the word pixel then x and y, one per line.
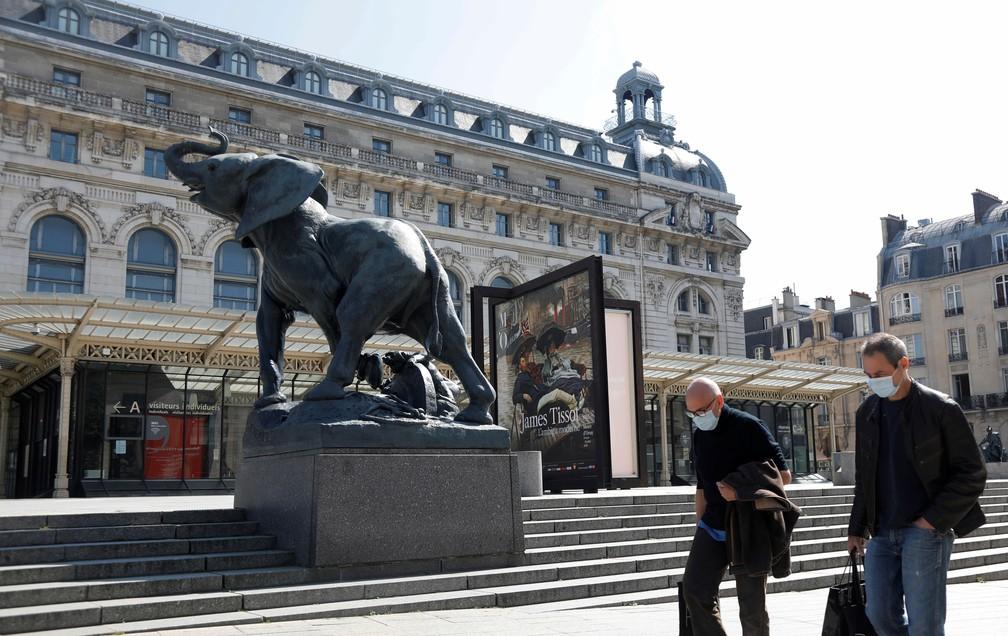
pixel 738 439
pixel 901 495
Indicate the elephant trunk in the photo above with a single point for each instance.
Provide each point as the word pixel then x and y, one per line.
pixel 174 154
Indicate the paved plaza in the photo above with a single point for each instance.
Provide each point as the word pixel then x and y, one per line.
pixel 973 610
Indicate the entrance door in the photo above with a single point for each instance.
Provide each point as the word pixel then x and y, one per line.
pixel 37 413
pixel 961 388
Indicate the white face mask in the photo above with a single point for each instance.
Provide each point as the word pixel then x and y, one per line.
pixel 706 422
pixel 883 387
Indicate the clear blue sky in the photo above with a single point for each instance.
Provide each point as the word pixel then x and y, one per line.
pixel 822 117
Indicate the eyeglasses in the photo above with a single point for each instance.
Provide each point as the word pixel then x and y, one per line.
pixel 703 411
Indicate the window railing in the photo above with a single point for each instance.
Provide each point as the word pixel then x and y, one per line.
pixel 969 402
pixel 385 159
pixel 163 114
pixel 450 172
pixel 994 400
pixel 59 92
pixel 953 311
pixel 319 145
pixel 958 357
pixel 905 318
pixel 918 362
pixel 248 131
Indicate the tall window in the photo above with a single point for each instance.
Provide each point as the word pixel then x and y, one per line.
pixel 915 347
pixel 313 82
pixel 660 168
pixel 601 194
pixel 1001 248
pixel 150 266
pixel 767 322
pixel 708 221
pixel 556 234
pixel 902 266
pixel 706 345
pixel 673 255
pixel 379 99
pixel 381 145
pixel 441 114
pixel 496 128
pixel 683 302
pixel 503 224
pixel 382 202
pixel 553 183
pixel 1003 337
pixel 904 304
pixel 549 141
pixel 56 256
pixel 502 282
pixel 953 300
pixel 759 353
pixel 314 131
pixel 862 323
pixel 154 164
pixel 445 215
pixel 957 344
pixel 604 243
pixel 594 153
pixel 1001 291
pixel 951 258
pixel 235 277
pixel 239 115
pixel 455 291
pixel 63 146
pixel 443 159
pixel 239 64
pixel 158 44
pixel 703 304
pixel 684 343
pixel 711 261
pixel 501 172
pixel 68 21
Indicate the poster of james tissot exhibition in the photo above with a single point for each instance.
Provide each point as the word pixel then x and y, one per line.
pixel 546 367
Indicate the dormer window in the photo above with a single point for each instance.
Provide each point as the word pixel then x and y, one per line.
pixel 158 43
pixel 661 169
pixel 902 266
pixel 68 21
pixel 594 153
pixel 313 82
pixel 440 114
pixel 549 141
pixel 379 99
pixel 240 64
pixel 496 128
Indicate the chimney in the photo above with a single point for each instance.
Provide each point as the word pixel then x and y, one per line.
pixel 826 303
pixel 789 299
pixel 982 204
pixel 859 299
pixel 891 226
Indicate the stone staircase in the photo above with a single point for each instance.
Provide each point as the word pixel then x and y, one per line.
pixel 128 572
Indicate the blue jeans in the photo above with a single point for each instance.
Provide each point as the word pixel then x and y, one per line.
pixel 908 564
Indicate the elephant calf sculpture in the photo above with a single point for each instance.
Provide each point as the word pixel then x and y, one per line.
pixel 355 277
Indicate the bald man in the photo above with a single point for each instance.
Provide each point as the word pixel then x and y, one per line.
pixel 723 440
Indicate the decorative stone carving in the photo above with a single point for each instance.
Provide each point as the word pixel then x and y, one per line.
pixel 612 284
pixel 691 217
pixel 156 213
pixel 351 190
pixel 33 135
pixel 505 264
pixel 652 244
pixel 61 199
pixel 215 226
pixel 416 202
pixel 453 259
pixel 654 287
pixel 629 240
pixel 982 337
pixel 733 304
pixel 14 128
pixel 582 232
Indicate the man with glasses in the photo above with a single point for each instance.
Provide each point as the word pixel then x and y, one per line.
pixel 724 439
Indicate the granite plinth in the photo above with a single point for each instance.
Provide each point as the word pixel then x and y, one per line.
pixel 354 499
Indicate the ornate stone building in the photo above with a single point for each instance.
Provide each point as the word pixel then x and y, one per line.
pixel 93 91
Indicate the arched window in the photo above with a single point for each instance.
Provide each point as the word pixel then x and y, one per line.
pixel 496 128
pixel 56 256
pixel 594 153
pixel 502 282
pixel 313 82
pixel 68 21
pixel 379 99
pixel 440 114
pixel 904 304
pixel 660 168
pixel 702 179
pixel 150 266
pixel 235 277
pixel 683 302
pixel 239 64
pixel 455 291
pixel 1001 291
pixel 549 141
pixel 703 304
pixel 157 44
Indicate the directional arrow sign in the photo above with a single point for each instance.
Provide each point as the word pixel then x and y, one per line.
pixel 116 407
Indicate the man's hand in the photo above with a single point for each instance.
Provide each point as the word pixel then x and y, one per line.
pixel 924 524
pixel 856 544
pixel 526 397
pixel 786 477
pixel 727 492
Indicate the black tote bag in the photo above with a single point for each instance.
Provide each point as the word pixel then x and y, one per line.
pixel 685 624
pixel 845 606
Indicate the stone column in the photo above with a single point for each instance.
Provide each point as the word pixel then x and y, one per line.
pixel 666 475
pixel 5 403
pixel 61 487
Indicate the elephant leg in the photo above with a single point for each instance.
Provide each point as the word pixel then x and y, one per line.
pixel 455 354
pixel 329 388
pixel 272 321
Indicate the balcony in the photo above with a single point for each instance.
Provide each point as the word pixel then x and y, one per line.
pixel 917 362
pixel 953 311
pixel 905 318
pixel 969 402
pixel 187 123
pixel 995 400
pixel 958 357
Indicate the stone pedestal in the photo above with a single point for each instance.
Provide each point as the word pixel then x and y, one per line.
pixel 843 468
pixel 530 473
pixel 358 498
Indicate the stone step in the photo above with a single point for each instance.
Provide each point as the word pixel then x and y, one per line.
pixel 148 566
pixel 131 549
pixel 107 519
pixel 54 536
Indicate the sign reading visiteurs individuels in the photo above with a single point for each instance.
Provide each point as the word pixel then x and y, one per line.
pixel 548 364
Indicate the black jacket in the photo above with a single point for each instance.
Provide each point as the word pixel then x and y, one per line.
pixel 760 522
pixel 939 443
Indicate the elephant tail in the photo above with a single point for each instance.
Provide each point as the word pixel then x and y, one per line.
pixel 433 342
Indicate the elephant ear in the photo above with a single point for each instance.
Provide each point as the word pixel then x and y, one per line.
pixel 275 187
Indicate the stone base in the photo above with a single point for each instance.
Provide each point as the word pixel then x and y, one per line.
pixel 356 510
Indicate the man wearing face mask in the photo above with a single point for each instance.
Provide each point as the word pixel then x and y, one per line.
pixel 724 439
pixel 918 475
